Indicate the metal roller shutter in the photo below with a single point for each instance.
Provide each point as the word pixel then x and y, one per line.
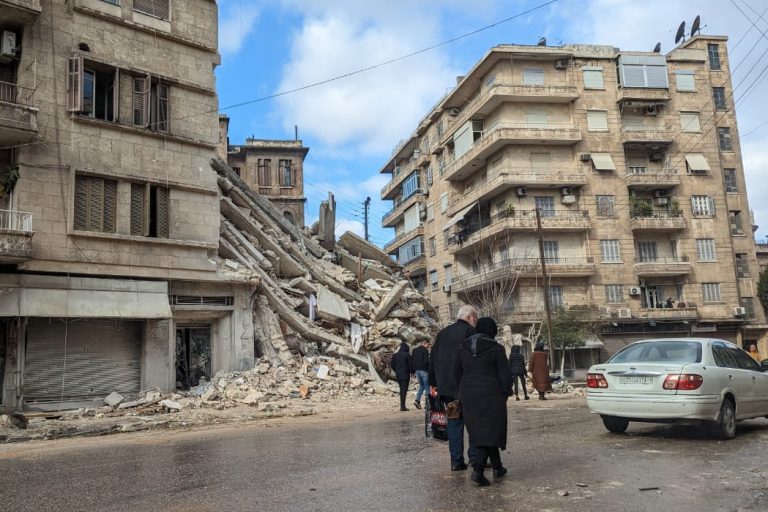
pixel 102 356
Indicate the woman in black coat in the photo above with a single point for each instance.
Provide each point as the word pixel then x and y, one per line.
pixel 484 382
pixel 517 369
pixel 403 368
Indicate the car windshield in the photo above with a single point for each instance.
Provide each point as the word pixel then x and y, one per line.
pixel 663 351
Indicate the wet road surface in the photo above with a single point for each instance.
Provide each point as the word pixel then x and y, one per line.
pixel 384 462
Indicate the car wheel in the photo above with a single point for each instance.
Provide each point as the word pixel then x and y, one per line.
pixel 725 425
pixel 615 424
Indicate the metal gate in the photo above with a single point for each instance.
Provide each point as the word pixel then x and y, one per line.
pixel 101 356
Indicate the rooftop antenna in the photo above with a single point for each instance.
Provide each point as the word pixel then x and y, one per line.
pixel 542 42
pixel 696 27
pixel 680 32
pixel 657 48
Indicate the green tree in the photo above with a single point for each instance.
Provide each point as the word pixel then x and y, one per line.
pixel 762 289
pixel 570 328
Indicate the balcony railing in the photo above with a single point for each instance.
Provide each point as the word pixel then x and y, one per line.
pixel 658 219
pixel 15 221
pixel 403 237
pixel 684 313
pixel 16 94
pixel 659 134
pixel 642 176
pixel 398 203
pixel 663 266
pixel 398 176
pixel 523 267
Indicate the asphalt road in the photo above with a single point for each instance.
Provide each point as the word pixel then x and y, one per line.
pixel 383 462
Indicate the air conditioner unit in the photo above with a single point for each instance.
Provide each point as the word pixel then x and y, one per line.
pixel 585 157
pixel 8 46
pixel 661 201
pixel 739 311
pixel 605 311
pixel 447 288
pixel 651 110
pixel 634 290
pixel 522 191
pixel 453 112
pixel 561 64
pixel 625 313
pixel 656 157
pixel 660 193
pixel 566 191
pixel 569 199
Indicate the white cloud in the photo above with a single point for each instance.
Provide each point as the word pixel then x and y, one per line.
pixel 344 225
pixel 236 21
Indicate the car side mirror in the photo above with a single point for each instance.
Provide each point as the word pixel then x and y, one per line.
pixel 764 365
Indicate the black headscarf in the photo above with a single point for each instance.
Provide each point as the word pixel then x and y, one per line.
pixel 487 326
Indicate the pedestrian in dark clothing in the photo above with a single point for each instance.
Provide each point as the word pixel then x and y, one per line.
pixel 517 370
pixel 442 377
pixel 420 360
pixel 483 371
pixel 539 369
pixel 401 364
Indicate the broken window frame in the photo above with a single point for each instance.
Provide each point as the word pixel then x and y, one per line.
pixel 78 71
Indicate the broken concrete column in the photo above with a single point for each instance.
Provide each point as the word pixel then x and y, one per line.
pixel 390 300
pixel 273 343
pixel 327 231
pixel 358 246
pixel 330 306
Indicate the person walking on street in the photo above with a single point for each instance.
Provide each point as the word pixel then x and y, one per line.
pixel 420 361
pixel 402 366
pixel 539 369
pixel 442 377
pixel 517 370
pixel 484 384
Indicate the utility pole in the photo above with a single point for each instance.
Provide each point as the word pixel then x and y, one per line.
pixel 366 207
pixel 547 306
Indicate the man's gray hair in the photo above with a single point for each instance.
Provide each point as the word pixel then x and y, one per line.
pixel 466 311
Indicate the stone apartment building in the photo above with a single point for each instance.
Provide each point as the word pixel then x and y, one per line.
pixel 110 213
pixel 272 168
pixel 633 162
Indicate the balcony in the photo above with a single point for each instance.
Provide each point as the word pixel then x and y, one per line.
pixel 642 94
pixel 402 238
pixel 662 267
pixel 509 178
pixel 393 216
pixel 20 11
pixel 502 134
pixel 415 266
pixel 516 221
pixel 642 177
pixel 676 313
pixel 15 236
pixel 18 118
pixel 488 99
pixel 658 221
pixel 523 268
pixel 655 135
pixel 389 191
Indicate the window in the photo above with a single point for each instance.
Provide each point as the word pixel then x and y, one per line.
pixel 730 180
pixel 536 118
pixel 533 76
pixel 714 57
pixel 705 249
pixel 690 121
pixel 552 251
pixel 742 265
pixel 710 292
pixel 643 71
pixel 597 120
pixel 448 275
pixel 157 8
pixel 545 205
pixel 410 250
pixel 719 95
pixel 433 282
pixel 610 251
pixel 236 170
pixel 287 215
pixel 429 176
pixel 685 81
pixel 441 165
pixel 439 129
pixel 695 163
pixel 411 185
pixel 633 122
pixel 285 173
pixel 605 206
pixel 446 238
pixel 92 89
pixel 724 137
pixel 556 297
pixel 593 78
pixel 430 212
pixel 490 81
pixel 443 202
pixel 95 204
pixel 702 206
pixel 149 210
pixel 264 171
pixel 734 220
pixel 503 252
pixel 647 251
pixel 113 2
pixel 432 246
pixel 614 294
pixel 748 303
pixel 151 104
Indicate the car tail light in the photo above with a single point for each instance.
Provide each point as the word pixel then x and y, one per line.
pixel 683 381
pixel 596 380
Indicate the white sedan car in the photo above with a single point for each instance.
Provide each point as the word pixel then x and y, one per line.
pixel 679 380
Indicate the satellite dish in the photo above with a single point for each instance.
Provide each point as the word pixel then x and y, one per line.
pixel 657 48
pixel 542 42
pixel 696 26
pixel 680 33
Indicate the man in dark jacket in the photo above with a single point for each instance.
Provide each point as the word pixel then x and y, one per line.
pixel 442 376
pixel 401 364
pixel 517 369
pixel 420 360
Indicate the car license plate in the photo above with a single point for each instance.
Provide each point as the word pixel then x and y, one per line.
pixel 636 380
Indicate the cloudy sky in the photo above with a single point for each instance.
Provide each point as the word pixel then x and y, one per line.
pixel 352 124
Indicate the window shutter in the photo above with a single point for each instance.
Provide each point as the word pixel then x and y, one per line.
pixel 593 79
pixel 690 122
pixel 158 8
pixel 75 84
pixel 110 206
pixel 163 103
pixel 597 120
pixel 141 101
pixel 533 76
pixel 162 212
pixel 633 75
pixel 536 118
pixel 95 204
pixel 138 203
pixel 81 203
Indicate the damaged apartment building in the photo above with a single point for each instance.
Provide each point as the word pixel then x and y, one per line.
pixel 110 215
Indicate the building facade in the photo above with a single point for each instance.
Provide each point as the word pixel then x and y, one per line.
pixel 626 165
pixel 272 168
pixel 110 214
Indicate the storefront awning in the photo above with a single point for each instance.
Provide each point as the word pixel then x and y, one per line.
pixel 459 216
pixel 697 162
pixel 603 162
